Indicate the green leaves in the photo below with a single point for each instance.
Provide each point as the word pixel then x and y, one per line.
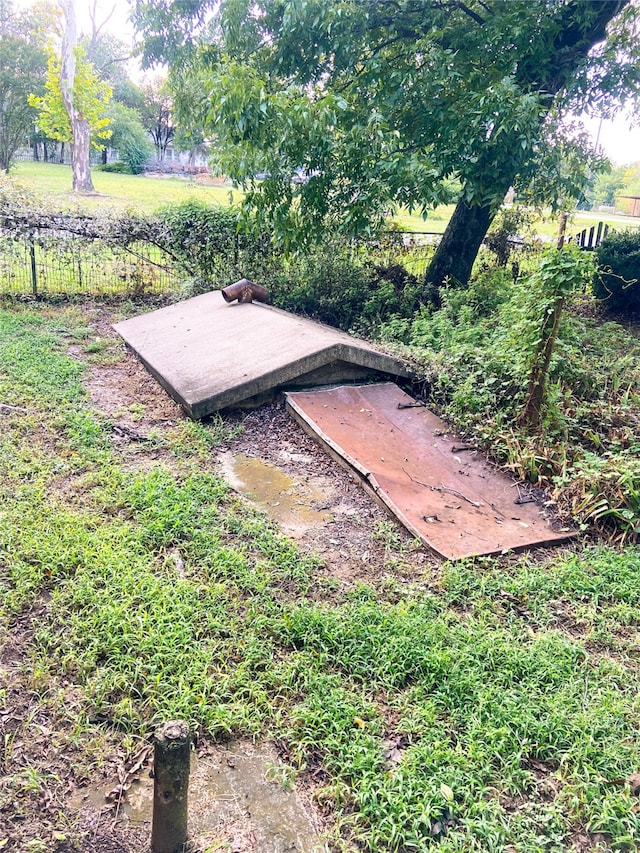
pixel 91 97
pixel 333 111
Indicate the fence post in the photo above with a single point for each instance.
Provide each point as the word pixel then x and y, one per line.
pixel 170 787
pixel 34 269
pixel 599 235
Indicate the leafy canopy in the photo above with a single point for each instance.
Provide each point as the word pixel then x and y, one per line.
pixel 330 111
pixel 91 98
pixel 22 64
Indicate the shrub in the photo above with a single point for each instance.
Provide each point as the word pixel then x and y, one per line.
pixel 617 282
pixel 130 138
pixel 346 287
pixel 512 226
pixel 214 245
pixel 118 166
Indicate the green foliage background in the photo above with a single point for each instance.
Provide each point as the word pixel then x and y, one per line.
pixel 617 281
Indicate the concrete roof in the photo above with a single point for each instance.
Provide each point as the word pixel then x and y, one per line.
pixel 211 355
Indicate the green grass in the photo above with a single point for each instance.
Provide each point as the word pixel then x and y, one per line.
pixel 545 226
pixel 145 194
pixel 495 708
pixel 115 191
pixel 434 223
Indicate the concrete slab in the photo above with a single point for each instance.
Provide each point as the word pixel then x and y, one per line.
pixel 444 492
pixel 211 355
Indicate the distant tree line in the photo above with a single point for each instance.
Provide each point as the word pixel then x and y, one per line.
pixel 135 118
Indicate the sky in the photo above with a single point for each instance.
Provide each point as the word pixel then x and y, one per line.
pixel 619 140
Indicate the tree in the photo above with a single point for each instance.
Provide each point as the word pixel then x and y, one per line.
pixel 73 107
pixel 191 106
pixel 559 70
pixel 378 101
pixel 74 114
pixel 607 185
pixel 129 137
pixel 157 114
pixel 110 56
pixel 22 64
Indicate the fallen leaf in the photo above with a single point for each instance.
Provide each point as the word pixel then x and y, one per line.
pixel 436 829
pixel 634 783
pixel 446 792
pixel 392 755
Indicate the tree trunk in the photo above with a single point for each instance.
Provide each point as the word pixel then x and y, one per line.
pixel 530 416
pixel 562 227
pixel 80 151
pixel 81 146
pixel 576 36
pixel 460 244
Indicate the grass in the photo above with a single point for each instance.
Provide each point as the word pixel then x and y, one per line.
pixel 122 192
pixel 544 226
pixel 116 191
pixel 434 223
pixel 495 707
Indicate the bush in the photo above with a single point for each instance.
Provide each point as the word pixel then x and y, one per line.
pixel 509 229
pixel 338 284
pixel 347 287
pixel 213 244
pixel 130 138
pixel 117 166
pixel 618 281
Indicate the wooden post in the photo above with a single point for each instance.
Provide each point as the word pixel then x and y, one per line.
pixel 562 227
pixel 170 787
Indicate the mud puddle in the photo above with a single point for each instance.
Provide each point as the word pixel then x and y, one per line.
pixel 240 798
pixel 293 503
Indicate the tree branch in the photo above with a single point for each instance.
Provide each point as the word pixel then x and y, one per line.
pixel 473 15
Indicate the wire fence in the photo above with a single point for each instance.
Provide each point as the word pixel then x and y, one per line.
pixel 73 265
pixel 59 155
pixel 65 255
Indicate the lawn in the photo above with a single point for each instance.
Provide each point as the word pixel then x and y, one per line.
pixel 486 705
pixel 115 191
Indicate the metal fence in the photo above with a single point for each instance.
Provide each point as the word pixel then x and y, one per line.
pixel 73 265
pixel 58 155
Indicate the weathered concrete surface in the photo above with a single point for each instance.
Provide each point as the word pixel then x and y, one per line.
pixel 210 355
pixel 444 492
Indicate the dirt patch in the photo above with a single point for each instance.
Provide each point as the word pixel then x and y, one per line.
pixel 355 538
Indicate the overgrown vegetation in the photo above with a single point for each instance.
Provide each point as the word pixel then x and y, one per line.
pixel 493 356
pixel 617 279
pixel 201 246
pixel 476 356
pixel 495 707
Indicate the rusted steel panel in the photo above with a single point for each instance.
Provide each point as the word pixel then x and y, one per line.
pixel 445 493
